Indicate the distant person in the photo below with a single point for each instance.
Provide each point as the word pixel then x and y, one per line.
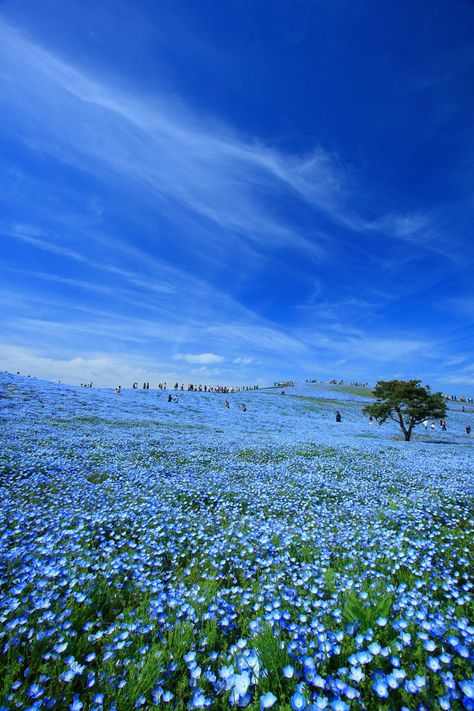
pixel 442 423
pixel 468 429
pixel 227 405
pixel 425 424
pixel 118 390
pixel 433 425
pixel 170 399
pixel 371 420
pixel 282 392
pixel 338 416
pixel 243 407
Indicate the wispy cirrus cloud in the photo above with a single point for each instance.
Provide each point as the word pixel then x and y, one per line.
pixel 242 360
pixel 186 160
pixel 199 358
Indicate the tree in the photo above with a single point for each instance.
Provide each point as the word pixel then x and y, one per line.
pixel 407 403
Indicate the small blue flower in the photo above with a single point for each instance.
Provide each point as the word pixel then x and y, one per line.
pixel 298 701
pixel 356 674
pixel 35 691
pixel 321 703
pixel 467 688
pixel 267 700
pixel 433 664
pixel 288 671
pixel 380 686
pixel 339 705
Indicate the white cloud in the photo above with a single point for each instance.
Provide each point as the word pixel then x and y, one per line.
pixel 202 358
pixel 242 360
pixel 102 369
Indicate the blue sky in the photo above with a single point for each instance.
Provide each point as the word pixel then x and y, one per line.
pixel 238 191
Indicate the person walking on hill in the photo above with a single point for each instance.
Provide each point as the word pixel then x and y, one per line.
pixel 338 416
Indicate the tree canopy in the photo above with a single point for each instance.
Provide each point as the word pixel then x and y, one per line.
pixel 407 403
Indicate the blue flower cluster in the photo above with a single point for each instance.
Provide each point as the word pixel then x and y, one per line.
pixel 188 556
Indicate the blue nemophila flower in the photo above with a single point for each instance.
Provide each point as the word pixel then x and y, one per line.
pixel 288 671
pixel 467 688
pixel 199 700
pixel 240 700
pixel 394 680
pixel 141 701
pixel 351 693
pixel 356 674
pixel 76 704
pixel 167 696
pixel 226 672
pixel 363 657
pixel 156 695
pixel 381 688
pixel 318 681
pixel 267 700
pixel 463 651
pixel 433 664
pixel 298 701
pixel 34 691
pixel 339 705
pixel 241 683
pixel 195 672
pixel 67 675
pixel 374 648
pixel 98 699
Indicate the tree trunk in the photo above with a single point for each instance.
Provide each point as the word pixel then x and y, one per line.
pixel 407 434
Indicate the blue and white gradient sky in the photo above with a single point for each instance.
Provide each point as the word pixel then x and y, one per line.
pixel 237 191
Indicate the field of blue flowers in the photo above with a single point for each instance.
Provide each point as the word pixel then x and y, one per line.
pixel 185 556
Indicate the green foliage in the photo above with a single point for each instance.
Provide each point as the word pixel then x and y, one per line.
pixel 273 656
pixel 407 403
pixel 366 612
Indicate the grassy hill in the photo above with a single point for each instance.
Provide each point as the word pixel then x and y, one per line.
pixel 185 555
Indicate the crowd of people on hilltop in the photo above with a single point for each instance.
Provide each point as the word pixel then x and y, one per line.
pixel 334 381
pixel 459 398
pixel 283 384
pixel 316 381
pixel 193 387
